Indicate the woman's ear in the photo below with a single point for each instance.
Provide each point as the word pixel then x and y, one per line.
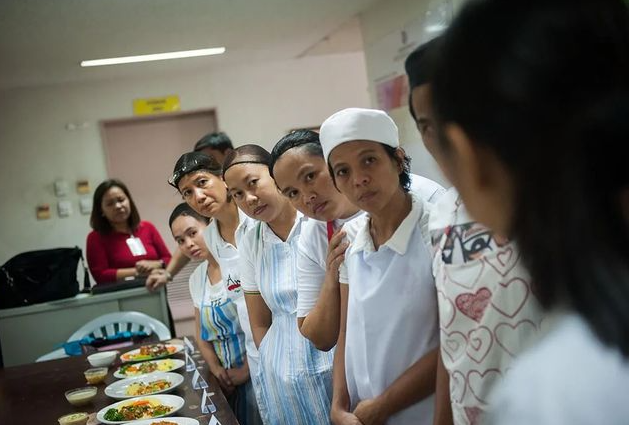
pixel 400 154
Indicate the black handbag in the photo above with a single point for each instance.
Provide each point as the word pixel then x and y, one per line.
pixel 40 276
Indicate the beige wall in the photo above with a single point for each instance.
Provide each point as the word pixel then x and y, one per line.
pixel 254 103
pixel 384 18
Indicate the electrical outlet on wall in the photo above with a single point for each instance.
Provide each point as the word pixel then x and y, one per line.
pixel 85 205
pixel 64 208
pixel 61 187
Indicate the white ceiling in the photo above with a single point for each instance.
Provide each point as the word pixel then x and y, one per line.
pixel 43 41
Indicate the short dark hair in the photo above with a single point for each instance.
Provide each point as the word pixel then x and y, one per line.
pixel 419 65
pixel 303 138
pixel 544 86
pixel 216 140
pixel 253 154
pixel 405 174
pixel 98 221
pixel 191 162
pixel 186 210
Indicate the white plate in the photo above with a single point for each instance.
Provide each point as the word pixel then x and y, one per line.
pixel 178 421
pixel 118 389
pixel 174 401
pixel 124 359
pixel 176 364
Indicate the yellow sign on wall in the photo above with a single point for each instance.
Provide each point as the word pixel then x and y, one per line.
pixel 156 105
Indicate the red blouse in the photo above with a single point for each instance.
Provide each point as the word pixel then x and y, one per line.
pixel 107 252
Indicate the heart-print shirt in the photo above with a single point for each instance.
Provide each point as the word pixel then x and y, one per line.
pixel 488 313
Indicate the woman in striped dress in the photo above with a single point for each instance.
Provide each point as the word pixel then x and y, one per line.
pixel 220 337
pixel 295 377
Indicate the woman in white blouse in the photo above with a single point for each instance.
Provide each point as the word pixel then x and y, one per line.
pixel 295 377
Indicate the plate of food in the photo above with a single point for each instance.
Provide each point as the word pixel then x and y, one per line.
pixel 152 383
pixel 151 352
pixel 169 421
pixel 151 407
pixel 138 369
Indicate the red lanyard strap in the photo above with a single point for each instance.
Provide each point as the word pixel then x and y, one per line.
pixel 330 230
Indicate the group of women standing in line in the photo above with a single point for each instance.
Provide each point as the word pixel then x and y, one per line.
pixel 257 253
pixel 339 287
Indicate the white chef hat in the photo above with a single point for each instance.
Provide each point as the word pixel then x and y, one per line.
pixel 357 124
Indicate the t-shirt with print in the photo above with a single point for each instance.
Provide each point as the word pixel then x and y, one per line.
pixel 216 293
pixel 488 313
pixel 228 257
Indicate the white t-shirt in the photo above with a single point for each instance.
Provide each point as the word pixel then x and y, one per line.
pixel 312 250
pixel 426 189
pixel 569 378
pixel 313 246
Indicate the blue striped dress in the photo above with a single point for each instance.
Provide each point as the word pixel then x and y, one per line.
pixel 295 377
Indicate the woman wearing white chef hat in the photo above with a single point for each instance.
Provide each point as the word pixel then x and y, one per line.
pixel 386 356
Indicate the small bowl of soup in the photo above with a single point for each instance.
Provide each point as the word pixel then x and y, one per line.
pixel 74 419
pixel 95 375
pixel 81 396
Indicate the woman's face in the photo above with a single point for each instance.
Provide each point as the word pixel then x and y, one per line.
pixel 304 179
pixel 254 191
pixel 204 192
pixel 366 174
pixel 116 206
pixel 188 233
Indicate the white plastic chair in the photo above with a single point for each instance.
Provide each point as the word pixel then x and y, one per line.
pixel 111 323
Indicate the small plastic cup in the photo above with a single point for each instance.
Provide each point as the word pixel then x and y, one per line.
pixel 95 375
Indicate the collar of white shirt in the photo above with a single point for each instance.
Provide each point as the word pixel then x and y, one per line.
pixel 269 236
pixel 402 235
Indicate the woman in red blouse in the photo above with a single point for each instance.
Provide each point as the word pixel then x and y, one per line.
pixel 121 245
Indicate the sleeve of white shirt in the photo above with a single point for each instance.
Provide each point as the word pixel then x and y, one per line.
pixel 247 260
pixel 310 278
pixel 343 277
pixel 195 284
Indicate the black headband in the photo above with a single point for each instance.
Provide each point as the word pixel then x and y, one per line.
pixel 244 162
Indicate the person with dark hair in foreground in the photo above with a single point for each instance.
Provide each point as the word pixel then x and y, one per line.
pixel 532 104
pixel 488 314
pixel 121 245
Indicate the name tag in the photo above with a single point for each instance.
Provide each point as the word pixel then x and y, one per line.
pixel 136 246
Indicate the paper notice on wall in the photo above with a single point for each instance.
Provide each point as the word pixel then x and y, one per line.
pixel 385 68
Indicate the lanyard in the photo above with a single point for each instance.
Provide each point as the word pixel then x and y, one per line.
pixel 330 226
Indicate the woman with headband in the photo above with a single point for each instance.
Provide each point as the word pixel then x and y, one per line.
pixel 295 377
pixel 301 174
pixel 197 177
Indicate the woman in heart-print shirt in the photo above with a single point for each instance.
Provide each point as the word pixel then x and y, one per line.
pixel 531 101
pixel 487 312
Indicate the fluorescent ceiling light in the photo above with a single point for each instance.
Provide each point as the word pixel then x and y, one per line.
pixel 436 28
pixel 155 57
